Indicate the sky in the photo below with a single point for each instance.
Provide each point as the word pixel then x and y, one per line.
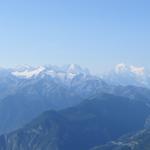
pixel 97 34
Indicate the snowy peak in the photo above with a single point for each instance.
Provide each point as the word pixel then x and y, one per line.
pixel 28 73
pixel 69 71
pixel 128 75
pixel 122 74
pixel 75 69
pixel 137 70
pixel 122 68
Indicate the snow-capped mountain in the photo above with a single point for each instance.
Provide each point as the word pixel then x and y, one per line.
pixel 121 75
pixel 65 72
pixel 26 91
pixel 72 77
pixel 128 75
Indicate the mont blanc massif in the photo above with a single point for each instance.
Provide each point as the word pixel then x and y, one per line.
pixel 68 108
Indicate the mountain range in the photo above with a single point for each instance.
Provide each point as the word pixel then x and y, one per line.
pixel 74 104
pixel 25 97
pixel 93 122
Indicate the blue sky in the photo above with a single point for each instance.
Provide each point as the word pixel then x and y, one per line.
pixel 93 33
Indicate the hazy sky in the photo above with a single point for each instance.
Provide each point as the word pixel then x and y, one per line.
pixel 93 33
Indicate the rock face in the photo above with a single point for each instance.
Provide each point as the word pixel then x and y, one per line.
pixel 91 123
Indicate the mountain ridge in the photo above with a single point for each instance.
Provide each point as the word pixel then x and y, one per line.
pixel 81 127
pixel 26 98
